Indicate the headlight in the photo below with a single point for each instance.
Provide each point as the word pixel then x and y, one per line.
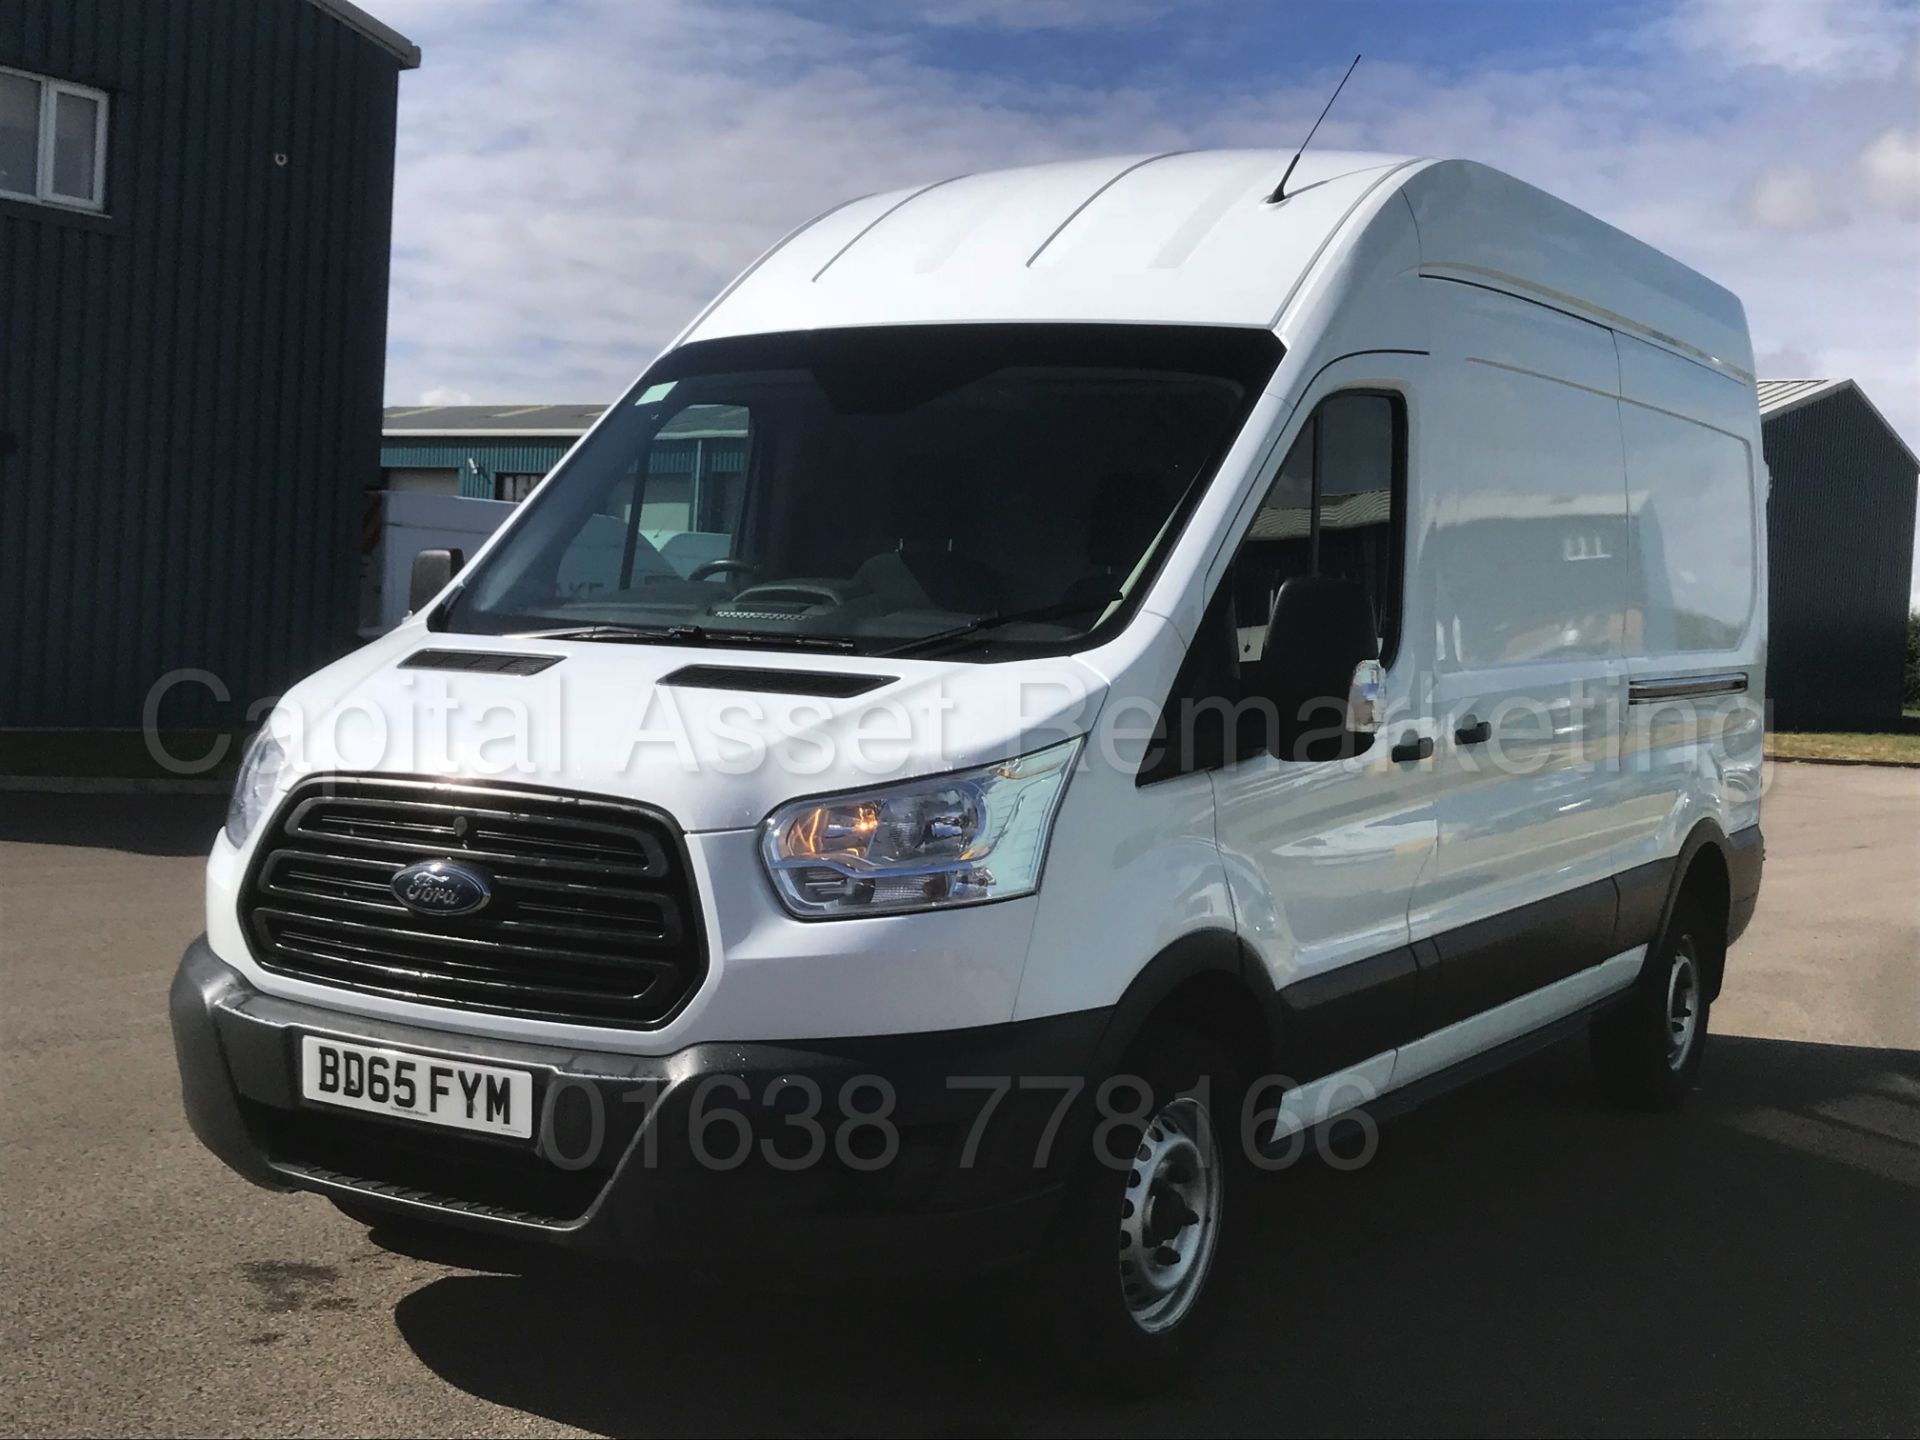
pixel 925 845
pixel 259 772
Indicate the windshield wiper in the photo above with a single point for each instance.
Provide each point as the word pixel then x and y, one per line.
pixel 690 635
pixel 629 634
pixel 767 639
pixel 1059 610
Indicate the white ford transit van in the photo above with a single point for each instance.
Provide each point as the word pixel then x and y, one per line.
pixel 1057 684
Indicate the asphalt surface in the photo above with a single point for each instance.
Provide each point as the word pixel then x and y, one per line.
pixel 1518 1257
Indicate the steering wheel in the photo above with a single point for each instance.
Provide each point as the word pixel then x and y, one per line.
pixel 706 570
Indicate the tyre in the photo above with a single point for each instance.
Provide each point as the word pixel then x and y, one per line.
pixel 1647 1053
pixel 1133 1281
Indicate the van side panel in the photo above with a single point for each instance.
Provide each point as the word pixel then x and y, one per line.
pixel 1691 494
pixel 1526 570
pixel 1695 494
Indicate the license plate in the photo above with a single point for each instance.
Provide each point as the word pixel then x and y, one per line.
pixel 455 1093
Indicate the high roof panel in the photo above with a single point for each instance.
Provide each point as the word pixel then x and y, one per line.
pixel 1177 238
pixel 1484 227
pixel 1189 238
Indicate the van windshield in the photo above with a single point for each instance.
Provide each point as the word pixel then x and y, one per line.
pixel 984 490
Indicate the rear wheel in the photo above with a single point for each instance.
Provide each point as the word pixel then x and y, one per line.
pixel 1133 1282
pixel 1647 1053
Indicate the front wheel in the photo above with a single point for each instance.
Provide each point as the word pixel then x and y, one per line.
pixel 1133 1285
pixel 1647 1053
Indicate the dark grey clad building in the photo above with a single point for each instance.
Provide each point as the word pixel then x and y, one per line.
pixel 1840 553
pixel 195 209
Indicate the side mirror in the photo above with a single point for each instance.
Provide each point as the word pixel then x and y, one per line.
pixel 1320 671
pixel 433 571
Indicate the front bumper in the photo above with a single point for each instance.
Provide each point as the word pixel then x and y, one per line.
pixel 718 1152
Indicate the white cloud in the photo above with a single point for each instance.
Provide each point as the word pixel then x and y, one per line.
pixel 1788 197
pixel 569 195
pixel 572 188
pixel 1786 362
pixel 1816 37
pixel 445 395
pixel 1035 14
pixel 1891 165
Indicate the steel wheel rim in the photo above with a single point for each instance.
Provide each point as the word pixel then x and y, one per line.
pixel 1683 1004
pixel 1170 1216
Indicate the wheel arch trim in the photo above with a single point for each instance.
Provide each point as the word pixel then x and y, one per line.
pixel 1188 964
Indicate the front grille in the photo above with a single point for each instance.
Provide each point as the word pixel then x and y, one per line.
pixel 593 917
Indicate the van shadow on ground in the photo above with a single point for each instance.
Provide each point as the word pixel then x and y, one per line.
pixel 1517 1258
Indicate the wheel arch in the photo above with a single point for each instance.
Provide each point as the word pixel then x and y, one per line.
pixel 1703 871
pixel 1209 979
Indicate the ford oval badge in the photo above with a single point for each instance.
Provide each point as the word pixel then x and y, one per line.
pixel 442 887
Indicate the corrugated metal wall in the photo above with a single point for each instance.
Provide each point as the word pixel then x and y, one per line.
pixel 192 384
pixel 1840 551
pixel 516 455
pixel 509 456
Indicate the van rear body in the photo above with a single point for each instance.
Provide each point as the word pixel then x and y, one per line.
pixel 1075 657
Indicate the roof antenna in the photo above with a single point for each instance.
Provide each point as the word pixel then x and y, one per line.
pixel 1280 190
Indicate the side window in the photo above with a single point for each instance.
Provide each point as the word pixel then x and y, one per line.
pixel 1332 510
pixel 1279 543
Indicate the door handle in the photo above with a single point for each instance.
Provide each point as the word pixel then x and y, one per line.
pixel 1476 734
pixel 1413 748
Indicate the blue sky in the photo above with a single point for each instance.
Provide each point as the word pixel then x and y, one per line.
pixel 577 176
pixel 1243 45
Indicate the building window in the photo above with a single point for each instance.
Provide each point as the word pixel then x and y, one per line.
pixel 53 141
pixel 516 487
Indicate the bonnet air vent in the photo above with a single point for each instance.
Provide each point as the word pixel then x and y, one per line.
pixel 484 662
pixel 777 682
